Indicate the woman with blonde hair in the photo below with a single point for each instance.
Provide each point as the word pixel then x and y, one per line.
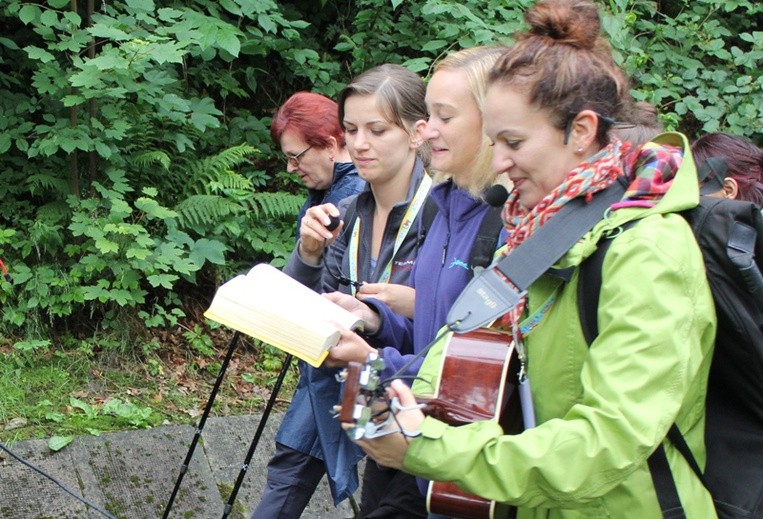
pixel 603 410
pixel 461 156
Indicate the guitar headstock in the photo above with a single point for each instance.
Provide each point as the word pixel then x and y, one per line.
pixel 362 386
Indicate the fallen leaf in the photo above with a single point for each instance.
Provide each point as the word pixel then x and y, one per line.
pixel 16 423
pixel 193 413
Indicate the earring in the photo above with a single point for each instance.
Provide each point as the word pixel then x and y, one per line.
pixel 579 150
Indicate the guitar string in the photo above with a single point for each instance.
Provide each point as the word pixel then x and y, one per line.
pixel 384 383
pixel 420 354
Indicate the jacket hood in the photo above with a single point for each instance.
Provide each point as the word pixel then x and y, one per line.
pixel 682 194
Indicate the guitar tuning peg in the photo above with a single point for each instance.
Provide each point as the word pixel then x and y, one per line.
pixel 356 433
pixel 341 376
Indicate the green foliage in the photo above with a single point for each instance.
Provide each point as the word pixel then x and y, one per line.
pixel 199 341
pixel 698 61
pixel 134 144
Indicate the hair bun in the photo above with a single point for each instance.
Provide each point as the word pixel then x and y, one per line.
pixel 574 22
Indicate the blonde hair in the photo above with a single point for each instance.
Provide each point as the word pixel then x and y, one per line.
pixel 476 64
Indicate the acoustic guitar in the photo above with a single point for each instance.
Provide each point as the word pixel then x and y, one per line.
pixel 478 381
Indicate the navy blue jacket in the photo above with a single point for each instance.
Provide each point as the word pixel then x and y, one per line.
pixel 345 182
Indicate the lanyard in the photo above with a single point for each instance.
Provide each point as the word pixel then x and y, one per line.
pixel 402 232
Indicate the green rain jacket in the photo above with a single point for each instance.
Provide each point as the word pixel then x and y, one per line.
pixel 601 410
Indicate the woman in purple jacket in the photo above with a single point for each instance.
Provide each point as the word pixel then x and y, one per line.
pixel 462 157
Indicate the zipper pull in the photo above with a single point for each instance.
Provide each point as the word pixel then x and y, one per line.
pixel 445 249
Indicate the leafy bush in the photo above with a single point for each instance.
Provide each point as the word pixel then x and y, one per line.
pixel 135 150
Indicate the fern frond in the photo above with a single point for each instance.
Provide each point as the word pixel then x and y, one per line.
pixel 55 211
pixel 276 205
pixel 207 170
pixel 45 182
pixel 148 158
pixel 202 210
pixel 229 181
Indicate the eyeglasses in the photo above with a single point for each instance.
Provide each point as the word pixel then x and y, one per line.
pixel 293 160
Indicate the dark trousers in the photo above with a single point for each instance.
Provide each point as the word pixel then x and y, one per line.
pixel 390 494
pixel 292 480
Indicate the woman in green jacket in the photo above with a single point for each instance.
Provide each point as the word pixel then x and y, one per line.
pixel 601 410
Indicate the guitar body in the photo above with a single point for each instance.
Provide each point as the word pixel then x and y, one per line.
pixel 477 382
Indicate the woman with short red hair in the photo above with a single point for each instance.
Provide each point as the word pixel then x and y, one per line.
pixel 307 129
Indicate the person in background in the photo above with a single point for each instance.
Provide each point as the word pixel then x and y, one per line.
pixel 741 175
pixel 461 157
pixel 602 409
pixel 638 123
pixel 382 112
pixel 307 129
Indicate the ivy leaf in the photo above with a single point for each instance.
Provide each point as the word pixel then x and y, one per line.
pixel 153 209
pixel 228 40
pixel 142 5
pixel 39 54
pixel 100 30
pixel 29 13
pixel 208 250
pixel 56 443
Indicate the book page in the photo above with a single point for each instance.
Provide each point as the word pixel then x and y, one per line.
pixel 270 306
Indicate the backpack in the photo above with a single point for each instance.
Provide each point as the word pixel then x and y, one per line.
pixel 486 241
pixel 730 236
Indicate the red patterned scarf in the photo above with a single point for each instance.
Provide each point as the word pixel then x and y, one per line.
pixel 651 169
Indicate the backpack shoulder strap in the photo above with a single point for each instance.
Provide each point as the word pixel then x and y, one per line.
pixel 486 241
pixel 427 215
pixel 589 287
pixel 351 214
pixel 589 291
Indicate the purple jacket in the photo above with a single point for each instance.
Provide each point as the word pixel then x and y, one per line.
pixel 441 272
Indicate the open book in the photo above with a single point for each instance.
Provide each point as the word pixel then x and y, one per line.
pixel 274 308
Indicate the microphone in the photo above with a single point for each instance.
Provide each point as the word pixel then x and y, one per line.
pixel 334 223
pixel 496 196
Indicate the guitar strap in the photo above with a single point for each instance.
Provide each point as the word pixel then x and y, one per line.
pixel 499 287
